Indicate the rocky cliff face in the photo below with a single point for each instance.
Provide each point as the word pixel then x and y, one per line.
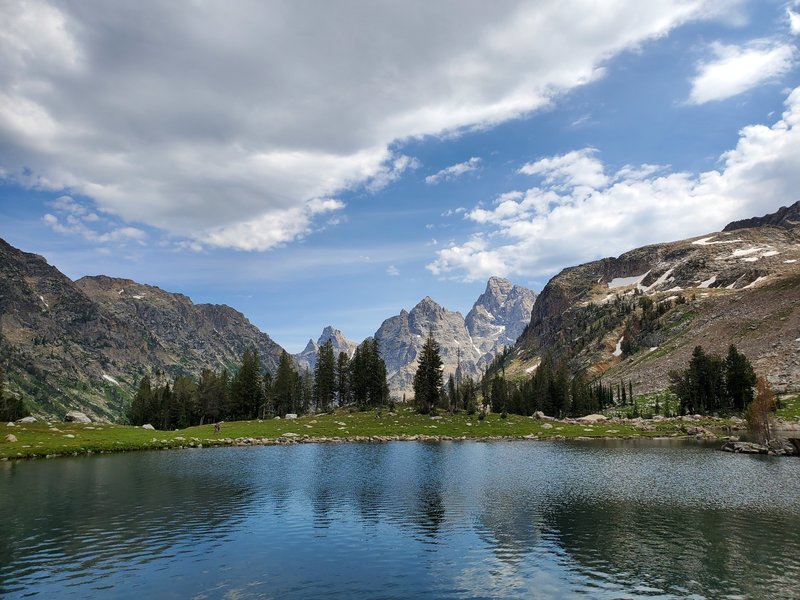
pixel 739 286
pixel 307 359
pixel 496 319
pixel 401 339
pixel 85 344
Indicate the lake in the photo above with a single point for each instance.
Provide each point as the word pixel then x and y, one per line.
pixel 600 519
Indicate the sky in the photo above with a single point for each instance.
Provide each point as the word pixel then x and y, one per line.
pixel 316 163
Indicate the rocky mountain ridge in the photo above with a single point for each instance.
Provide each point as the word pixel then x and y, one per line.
pixel 736 286
pixel 307 359
pixel 496 319
pixel 86 344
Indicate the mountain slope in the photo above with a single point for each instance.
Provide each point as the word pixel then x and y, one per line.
pixel 86 344
pixel 650 306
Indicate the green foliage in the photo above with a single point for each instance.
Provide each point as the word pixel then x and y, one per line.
pixel 286 388
pixel 428 377
pixel 368 384
pixel 325 378
pixel 712 383
pixel 11 406
pixel 247 391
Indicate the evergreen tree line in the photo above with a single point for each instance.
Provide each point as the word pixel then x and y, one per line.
pixel 253 394
pixel 551 389
pixel 11 406
pixel 712 383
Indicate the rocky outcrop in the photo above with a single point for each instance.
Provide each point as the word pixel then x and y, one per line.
pixel 75 416
pixel 786 217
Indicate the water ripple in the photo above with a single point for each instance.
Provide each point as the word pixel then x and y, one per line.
pixel 473 520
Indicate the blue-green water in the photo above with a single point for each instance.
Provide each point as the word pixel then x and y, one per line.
pixel 400 520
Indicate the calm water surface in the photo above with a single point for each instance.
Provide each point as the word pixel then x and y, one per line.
pixel 399 520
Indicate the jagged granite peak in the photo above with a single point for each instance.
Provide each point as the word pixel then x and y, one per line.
pixel 84 345
pixel 786 217
pixel 307 359
pixel 499 316
pixel 401 339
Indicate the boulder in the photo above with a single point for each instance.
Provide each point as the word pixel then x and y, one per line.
pixel 540 416
pixel 11 437
pixel 547 426
pixel 148 426
pixel 75 416
pixel 593 419
pixel 27 420
pixel 289 434
pixel 11 424
pixel 290 416
pixel 745 448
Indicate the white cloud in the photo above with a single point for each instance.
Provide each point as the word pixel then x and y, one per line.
pixel 737 69
pixel 391 171
pixel 794 20
pixel 77 219
pixel 578 168
pixel 567 220
pixel 211 120
pixel 392 270
pixel 454 171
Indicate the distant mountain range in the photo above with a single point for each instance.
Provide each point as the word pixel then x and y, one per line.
pixel 85 344
pixel 495 321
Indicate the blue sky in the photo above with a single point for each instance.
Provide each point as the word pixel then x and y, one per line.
pixel 312 165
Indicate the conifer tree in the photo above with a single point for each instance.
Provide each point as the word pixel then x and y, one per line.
pixel 285 387
pixel 740 378
pixel 138 412
pixel 343 394
pixel 428 377
pixel 325 378
pixel 247 392
pixel 11 406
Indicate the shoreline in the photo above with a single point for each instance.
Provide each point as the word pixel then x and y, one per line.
pixel 44 439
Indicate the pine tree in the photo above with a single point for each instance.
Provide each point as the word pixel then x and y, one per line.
pixel 740 379
pixel 247 392
pixel 12 407
pixel 138 411
pixel 428 378
pixel 343 394
pixel 285 387
pixel 325 378
pixel 452 400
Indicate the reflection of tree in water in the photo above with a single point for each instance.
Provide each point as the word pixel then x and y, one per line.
pixel 510 525
pixel 71 509
pixel 430 512
pixel 676 548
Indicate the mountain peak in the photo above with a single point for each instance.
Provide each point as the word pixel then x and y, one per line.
pixel 786 217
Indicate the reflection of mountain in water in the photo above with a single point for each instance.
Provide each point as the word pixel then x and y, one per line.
pixel 425 520
pixel 104 510
pixel 683 550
